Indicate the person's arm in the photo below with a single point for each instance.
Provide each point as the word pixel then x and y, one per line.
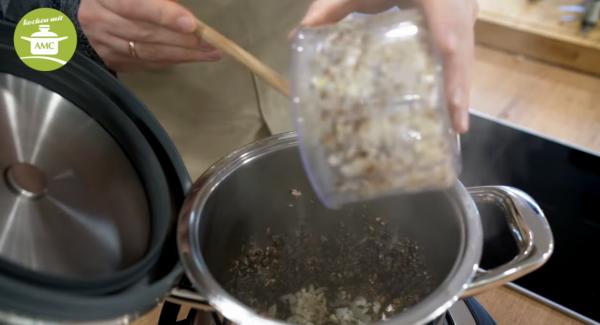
pixel 126 34
pixel 452 26
pixel 13 10
pixel 138 34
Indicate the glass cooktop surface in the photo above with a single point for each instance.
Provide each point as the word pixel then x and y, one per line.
pixel 565 182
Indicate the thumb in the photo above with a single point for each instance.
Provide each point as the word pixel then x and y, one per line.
pixel 330 11
pixel 322 12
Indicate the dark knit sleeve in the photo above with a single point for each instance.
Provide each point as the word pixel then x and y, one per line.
pixel 13 10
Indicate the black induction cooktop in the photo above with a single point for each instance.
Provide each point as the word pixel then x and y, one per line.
pixel 565 181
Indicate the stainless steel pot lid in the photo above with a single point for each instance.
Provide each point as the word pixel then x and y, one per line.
pixel 37 297
pixel 71 202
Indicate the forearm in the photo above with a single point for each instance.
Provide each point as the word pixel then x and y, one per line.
pixel 13 10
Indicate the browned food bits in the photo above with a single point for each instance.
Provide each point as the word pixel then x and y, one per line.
pixel 343 277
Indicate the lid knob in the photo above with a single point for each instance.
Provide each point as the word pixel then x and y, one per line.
pixel 26 180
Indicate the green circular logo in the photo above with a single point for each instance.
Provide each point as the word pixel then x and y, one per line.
pixel 45 39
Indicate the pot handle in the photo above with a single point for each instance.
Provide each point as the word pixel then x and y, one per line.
pixel 529 228
pixel 190 298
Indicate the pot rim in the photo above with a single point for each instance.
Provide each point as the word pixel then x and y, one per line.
pixel 189 243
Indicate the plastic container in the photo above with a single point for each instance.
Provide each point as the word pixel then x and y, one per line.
pixel 368 105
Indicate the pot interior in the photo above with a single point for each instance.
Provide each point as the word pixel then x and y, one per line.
pixel 262 198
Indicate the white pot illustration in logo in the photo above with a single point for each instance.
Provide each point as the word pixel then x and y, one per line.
pixel 44 41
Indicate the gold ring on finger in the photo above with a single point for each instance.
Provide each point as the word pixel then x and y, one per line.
pixel 132 51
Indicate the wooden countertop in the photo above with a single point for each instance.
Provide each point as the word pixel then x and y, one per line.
pixel 559 103
pixel 537 28
pixel 512 308
pixel 556 102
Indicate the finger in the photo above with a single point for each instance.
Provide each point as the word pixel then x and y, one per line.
pixel 457 92
pixel 458 65
pixel 166 53
pixel 168 14
pixel 172 54
pixel 323 12
pixel 456 47
pixel 141 31
pixel 375 6
pixel 454 38
pixel 457 57
pixel 113 46
pixel 116 61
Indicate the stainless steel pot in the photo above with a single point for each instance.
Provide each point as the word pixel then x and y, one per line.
pixel 249 190
pixel 244 192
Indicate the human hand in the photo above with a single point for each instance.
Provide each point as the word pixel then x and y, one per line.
pixel 451 23
pixel 139 34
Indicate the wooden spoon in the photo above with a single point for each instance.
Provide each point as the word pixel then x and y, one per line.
pixel 216 39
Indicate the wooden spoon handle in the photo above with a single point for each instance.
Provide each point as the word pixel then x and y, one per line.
pixel 272 77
